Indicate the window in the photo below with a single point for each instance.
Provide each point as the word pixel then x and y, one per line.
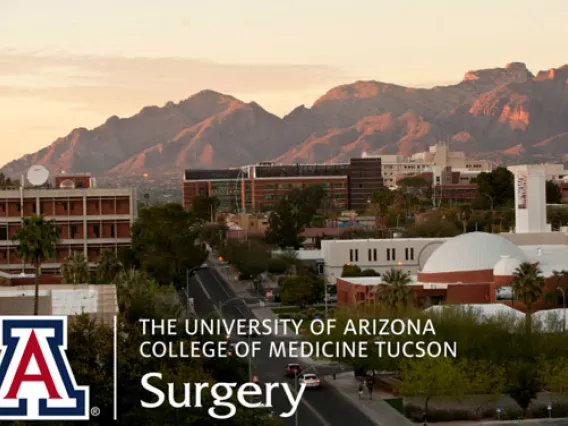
pixel 370 255
pixel 406 253
pixel 96 231
pixel 350 255
pixel 268 197
pixel 356 255
pixel 411 253
pixel 112 233
pixel 388 254
pixel 73 231
pixel 269 186
pixel 374 255
pixel 339 195
pixel 3 232
pixel 337 185
pixel 393 254
pixel 284 186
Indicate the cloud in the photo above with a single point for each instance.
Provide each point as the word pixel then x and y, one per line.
pixel 95 82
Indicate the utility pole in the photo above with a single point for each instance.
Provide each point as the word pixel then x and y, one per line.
pixel 564 308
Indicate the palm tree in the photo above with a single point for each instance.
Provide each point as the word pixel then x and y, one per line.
pixel 37 239
pixel 528 287
pixel 108 268
pixel 75 268
pixel 396 293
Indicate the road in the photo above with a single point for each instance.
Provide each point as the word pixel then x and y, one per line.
pixel 324 407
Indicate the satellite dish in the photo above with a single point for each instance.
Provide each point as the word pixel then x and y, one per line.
pixel 38 175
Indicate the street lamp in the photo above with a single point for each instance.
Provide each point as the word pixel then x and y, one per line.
pixel 564 307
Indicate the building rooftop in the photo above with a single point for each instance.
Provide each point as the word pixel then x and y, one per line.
pixel 473 251
pixel 69 299
pixel 550 257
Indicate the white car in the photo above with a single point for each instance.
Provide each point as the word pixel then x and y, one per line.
pixel 310 380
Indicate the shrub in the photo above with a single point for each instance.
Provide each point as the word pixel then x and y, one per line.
pixel 277 265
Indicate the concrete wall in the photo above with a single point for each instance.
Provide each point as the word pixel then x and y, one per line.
pixel 24 305
pixel 408 254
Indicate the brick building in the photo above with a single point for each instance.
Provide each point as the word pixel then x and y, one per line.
pixel 89 219
pixel 472 268
pixel 260 187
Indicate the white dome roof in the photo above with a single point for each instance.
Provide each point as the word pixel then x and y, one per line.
pixel 506 266
pixel 474 251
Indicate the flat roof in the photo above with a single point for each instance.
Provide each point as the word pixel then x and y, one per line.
pixel 407 240
pixel 551 257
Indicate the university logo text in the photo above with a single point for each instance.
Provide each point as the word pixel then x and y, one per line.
pixel 36 381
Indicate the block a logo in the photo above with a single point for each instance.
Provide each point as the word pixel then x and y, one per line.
pixel 36 381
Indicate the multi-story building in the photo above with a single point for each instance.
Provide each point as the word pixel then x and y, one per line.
pixel 260 187
pixel 395 167
pixel 89 219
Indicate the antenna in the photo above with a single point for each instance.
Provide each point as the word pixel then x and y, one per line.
pixel 37 175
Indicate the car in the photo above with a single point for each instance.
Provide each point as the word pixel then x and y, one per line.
pixel 293 370
pixel 310 380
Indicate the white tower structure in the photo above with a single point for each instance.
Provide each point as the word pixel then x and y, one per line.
pixel 530 198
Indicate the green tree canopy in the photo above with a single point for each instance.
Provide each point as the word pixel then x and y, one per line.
pixel 36 241
pixel 165 243
pixel 498 185
pixel 205 207
pixel 108 267
pixel 75 269
pixel 433 226
pixel 396 293
pixel 528 287
pixel 300 290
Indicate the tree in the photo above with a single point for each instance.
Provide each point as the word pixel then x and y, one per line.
pixel 523 382
pixel 350 270
pixel 528 287
pixel 165 243
pixel 498 184
pixel 298 290
pixel 553 193
pixel 6 182
pixel 205 207
pixel 431 377
pixel 433 226
pixel 484 379
pixel 108 267
pixel 285 226
pixel 75 268
pixel 554 375
pixel 36 239
pixel 214 234
pixel 396 293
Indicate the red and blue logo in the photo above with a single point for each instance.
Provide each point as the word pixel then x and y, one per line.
pixel 36 381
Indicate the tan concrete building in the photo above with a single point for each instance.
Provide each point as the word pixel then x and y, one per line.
pixel 89 219
pixel 438 157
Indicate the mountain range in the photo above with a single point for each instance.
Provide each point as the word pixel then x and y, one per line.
pixel 507 114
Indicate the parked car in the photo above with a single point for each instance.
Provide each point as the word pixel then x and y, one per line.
pixel 310 380
pixel 293 370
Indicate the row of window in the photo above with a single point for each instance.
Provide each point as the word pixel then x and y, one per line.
pixel 270 186
pixel 373 257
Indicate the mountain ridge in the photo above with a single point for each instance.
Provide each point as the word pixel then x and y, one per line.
pixel 507 113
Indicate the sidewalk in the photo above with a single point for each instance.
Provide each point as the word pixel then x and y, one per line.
pixel 375 409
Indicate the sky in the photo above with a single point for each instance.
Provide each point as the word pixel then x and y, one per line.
pixel 73 63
